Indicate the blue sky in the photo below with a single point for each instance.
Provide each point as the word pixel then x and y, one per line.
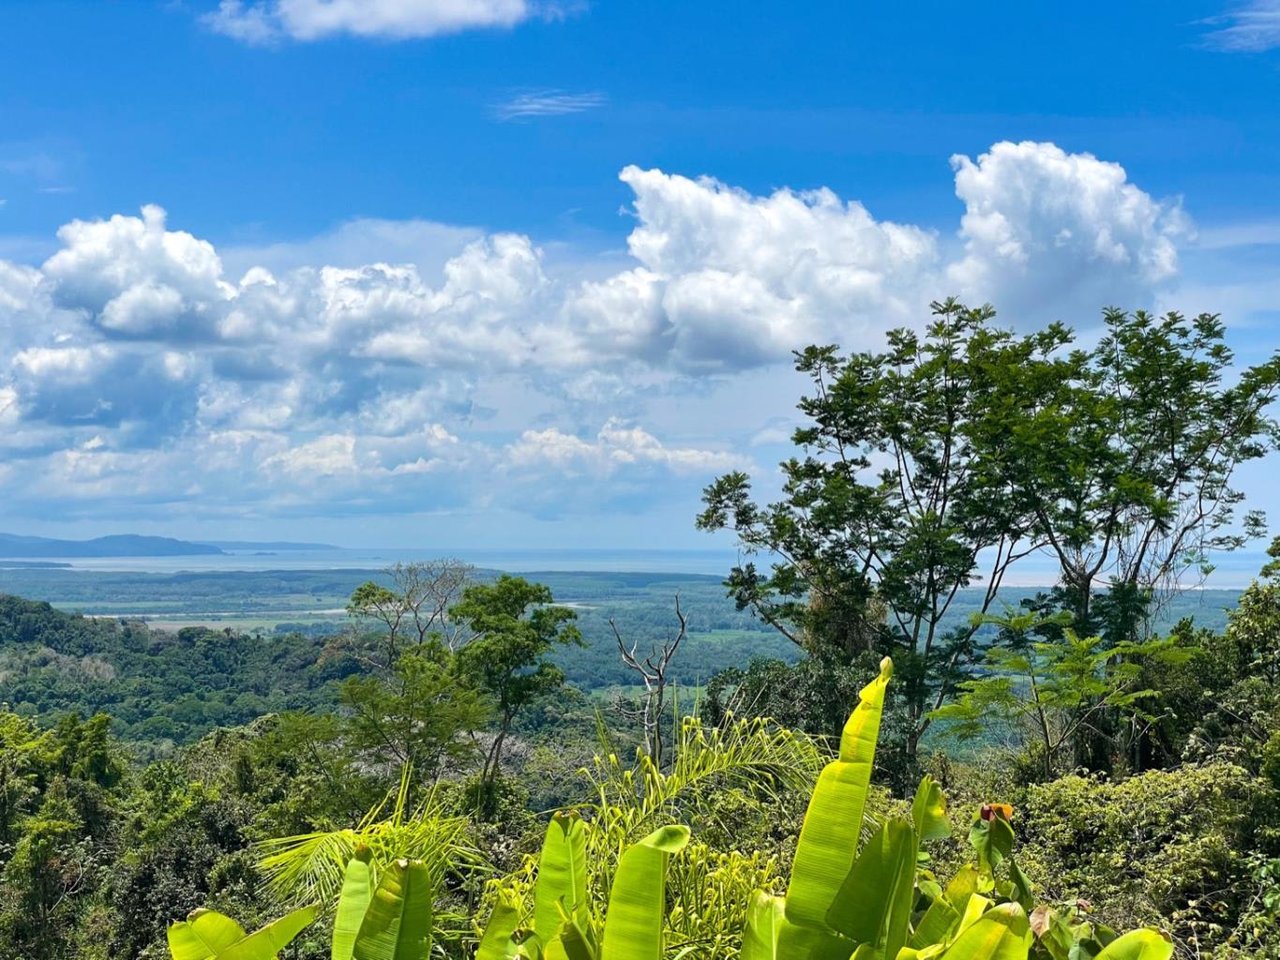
pixel 505 273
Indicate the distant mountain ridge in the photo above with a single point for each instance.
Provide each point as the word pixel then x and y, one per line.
pixel 266 545
pixel 119 545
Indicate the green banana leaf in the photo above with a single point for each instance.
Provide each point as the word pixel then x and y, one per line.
pixel 496 944
pixel 1002 933
pixel 573 942
pixel 266 943
pixel 562 874
pixel 357 891
pixel 203 935
pixel 975 909
pixel 1138 945
pixel 993 841
pixel 812 943
pixel 873 905
pixel 936 925
pixel 764 922
pixel 962 887
pixel 637 902
pixel 397 925
pixel 833 823
pixel 929 811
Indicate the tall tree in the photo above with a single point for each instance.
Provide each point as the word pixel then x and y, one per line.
pixel 1124 456
pixel 892 509
pixel 514 626
pixel 418 716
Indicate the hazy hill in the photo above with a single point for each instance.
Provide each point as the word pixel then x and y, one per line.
pixel 267 545
pixel 120 545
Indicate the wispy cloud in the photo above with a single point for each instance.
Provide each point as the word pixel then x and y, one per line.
pixel 547 103
pixel 1250 28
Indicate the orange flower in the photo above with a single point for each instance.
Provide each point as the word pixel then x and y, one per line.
pixel 992 810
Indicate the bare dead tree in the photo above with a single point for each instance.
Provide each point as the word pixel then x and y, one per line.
pixel 652 670
pixel 415 606
pixel 428 589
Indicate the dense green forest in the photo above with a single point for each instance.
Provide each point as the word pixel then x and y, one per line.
pixel 981 771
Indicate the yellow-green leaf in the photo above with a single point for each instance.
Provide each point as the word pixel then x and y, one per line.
pixel 1138 945
pixel 562 873
pixel 203 935
pixel 764 922
pixel 1002 933
pixel 266 943
pixel 833 823
pixel 637 902
pixel 397 925
pixel 936 925
pixel 882 877
pixel 357 891
pixel 929 811
pixel 503 922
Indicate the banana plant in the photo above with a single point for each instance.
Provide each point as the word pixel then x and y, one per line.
pixel 209 935
pixel 564 926
pixel 881 903
pixel 391 921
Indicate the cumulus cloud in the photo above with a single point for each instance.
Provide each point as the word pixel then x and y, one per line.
pixel 618 446
pixel 264 21
pixel 425 362
pixel 1057 233
pixel 134 277
pixel 747 278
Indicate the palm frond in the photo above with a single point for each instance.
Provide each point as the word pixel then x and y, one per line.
pixel 309 867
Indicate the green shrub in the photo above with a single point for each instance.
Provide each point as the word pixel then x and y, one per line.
pixel 1161 847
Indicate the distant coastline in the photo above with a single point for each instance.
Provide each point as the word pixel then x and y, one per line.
pixel 127 545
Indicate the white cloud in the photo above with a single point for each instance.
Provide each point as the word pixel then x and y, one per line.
pixel 748 278
pixel 133 276
pixel 10 412
pixel 65 363
pixel 423 243
pixel 263 21
pixel 1252 27
pixel 547 103
pixel 408 363
pixel 616 447
pixel 322 457
pixel 1050 233
pixel 18 286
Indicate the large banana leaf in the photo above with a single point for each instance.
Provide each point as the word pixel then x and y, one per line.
pixel 936 924
pixel 203 935
pixel 1002 933
pixel 357 891
pixel 764 922
pixel 637 902
pixel 562 874
pixel 575 941
pixel 266 943
pixel 496 944
pixel 873 905
pixel 397 925
pixel 1138 945
pixel 833 823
